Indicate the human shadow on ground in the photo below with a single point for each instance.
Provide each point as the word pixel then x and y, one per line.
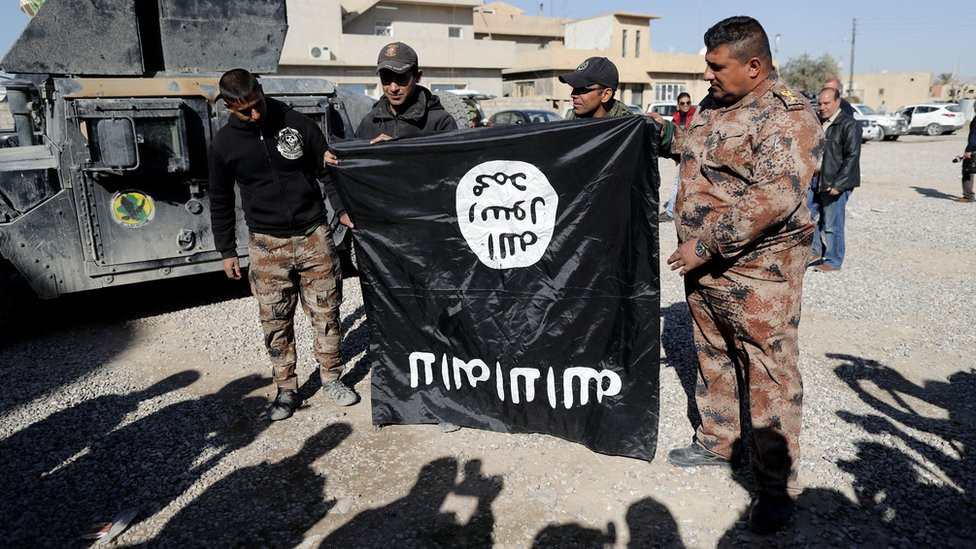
pixel 416 518
pixel 933 193
pixel 650 524
pixel 264 505
pixel 116 465
pixel 679 346
pixel 921 496
pixel 925 495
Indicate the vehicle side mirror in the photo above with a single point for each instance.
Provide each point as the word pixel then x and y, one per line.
pixel 117 146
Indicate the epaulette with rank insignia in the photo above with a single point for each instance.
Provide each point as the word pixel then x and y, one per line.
pixel 790 100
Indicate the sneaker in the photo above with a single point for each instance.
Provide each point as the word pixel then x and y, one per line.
pixel 770 513
pixel 337 391
pixel 448 427
pixel 824 268
pixel 964 199
pixel 663 217
pixel 284 405
pixel 696 456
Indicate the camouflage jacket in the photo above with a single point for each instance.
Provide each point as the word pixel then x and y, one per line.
pixel 745 170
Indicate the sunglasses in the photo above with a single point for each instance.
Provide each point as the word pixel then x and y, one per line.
pixel 584 91
pixel 684 102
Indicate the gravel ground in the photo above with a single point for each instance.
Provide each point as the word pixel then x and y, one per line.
pixel 151 398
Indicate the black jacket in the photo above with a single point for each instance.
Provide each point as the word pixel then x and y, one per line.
pixel 277 167
pixel 841 167
pixel 424 116
pixel 971 142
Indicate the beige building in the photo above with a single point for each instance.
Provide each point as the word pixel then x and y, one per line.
pixel 341 40
pixel 547 47
pixel 895 89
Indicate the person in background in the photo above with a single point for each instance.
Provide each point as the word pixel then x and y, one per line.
pixel 681 119
pixel 839 174
pixel 967 182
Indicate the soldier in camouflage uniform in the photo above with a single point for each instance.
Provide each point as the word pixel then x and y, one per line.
pixel 744 233
pixel 273 154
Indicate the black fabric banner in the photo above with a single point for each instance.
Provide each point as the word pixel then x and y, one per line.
pixel 510 277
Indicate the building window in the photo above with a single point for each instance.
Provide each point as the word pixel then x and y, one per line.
pixel 525 89
pixel 383 28
pixel 454 32
pixel 637 46
pixel 623 45
pixel 880 91
pixel 668 92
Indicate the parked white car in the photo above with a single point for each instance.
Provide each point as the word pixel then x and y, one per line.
pixel 664 109
pixel 890 126
pixel 933 118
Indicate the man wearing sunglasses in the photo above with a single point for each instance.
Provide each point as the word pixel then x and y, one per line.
pixel 594 84
pixel 681 119
pixel 273 154
pixel 406 107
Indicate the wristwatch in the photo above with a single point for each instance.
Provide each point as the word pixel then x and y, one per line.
pixel 701 251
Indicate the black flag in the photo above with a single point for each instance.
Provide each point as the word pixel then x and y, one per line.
pixel 510 277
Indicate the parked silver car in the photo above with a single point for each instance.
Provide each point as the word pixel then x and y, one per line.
pixel 890 126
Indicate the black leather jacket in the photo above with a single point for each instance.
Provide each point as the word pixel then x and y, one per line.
pixel 841 167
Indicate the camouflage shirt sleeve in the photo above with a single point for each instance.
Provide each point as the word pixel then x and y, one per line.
pixel 787 148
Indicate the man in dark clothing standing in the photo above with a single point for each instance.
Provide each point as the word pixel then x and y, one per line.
pixel 406 108
pixel 274 153
pixel 839 174
pixel 967 182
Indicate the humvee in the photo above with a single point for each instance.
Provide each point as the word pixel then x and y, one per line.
pixel 115 104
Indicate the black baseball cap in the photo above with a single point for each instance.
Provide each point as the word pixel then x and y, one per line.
pixel 397 57
pixel 595 70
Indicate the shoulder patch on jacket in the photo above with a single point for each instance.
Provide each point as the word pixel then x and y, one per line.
pixel 791 100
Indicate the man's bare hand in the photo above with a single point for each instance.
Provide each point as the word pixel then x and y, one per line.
pixel 967 155
pixel 344 219
pixel 685 258
pixel 331 159
pixel 656 116
pixel 379 138
pixel 833 192
pixel 232 268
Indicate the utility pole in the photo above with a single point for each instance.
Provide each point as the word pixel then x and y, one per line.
pixel 850 80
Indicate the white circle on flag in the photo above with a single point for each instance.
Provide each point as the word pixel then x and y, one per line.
pixel 506 210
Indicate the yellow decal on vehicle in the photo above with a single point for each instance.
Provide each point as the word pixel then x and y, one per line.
pixel 132 208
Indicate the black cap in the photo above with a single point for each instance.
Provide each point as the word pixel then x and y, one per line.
pixel 397 57
pixel 595 70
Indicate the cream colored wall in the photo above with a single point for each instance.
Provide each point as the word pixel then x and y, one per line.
pixel 900 88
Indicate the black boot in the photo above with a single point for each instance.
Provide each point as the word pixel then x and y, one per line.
pixel 284 405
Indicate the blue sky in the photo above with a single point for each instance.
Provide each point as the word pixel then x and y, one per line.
pixel 892 35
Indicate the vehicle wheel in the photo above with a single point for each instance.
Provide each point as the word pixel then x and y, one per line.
pixel 456 107
pixel 933 130
pixel 891 137
pixel 881 134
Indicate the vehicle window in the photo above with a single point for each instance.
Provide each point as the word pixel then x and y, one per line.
pixel 518 118
pixel 551 117
pixel 865 109
pixel 923 109
pixel 503 118
pixel 953 108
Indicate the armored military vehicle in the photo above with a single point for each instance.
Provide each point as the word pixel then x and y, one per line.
pixel 114 103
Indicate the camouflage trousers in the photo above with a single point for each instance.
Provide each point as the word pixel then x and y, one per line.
pixel 284 270
pixel 745 329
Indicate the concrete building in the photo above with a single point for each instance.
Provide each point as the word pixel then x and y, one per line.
pixel 547 47
pixel 895 89
pixel 340 39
